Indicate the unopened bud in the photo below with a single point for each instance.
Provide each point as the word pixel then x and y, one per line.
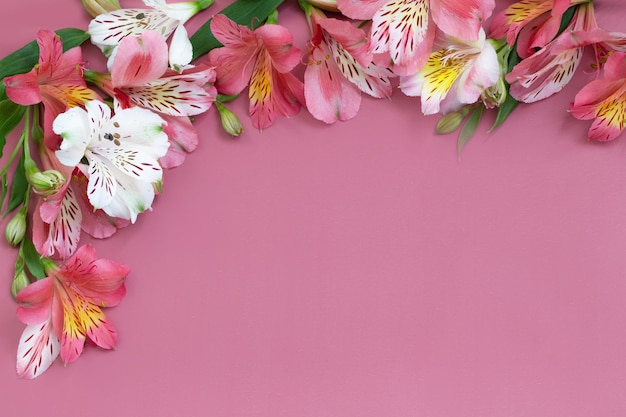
pixel 20 281
pixel 450 122
pixel 230 121
pixel 16 228
pixel 46 183
pixel 330 5
pixel 494 96
pixel 98 7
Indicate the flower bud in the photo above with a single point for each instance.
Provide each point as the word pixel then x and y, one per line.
pixel 46 183
pixel 98 7
pixel 494 96
pixel 330 5
pixel 16 228
pixel 20 281
pixel 449 123
pixel 230 121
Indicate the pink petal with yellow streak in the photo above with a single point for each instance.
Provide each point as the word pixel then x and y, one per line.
pixel 139 60
pixel 359 9
pixel 511 20
pixel 35 301
pixel 461 19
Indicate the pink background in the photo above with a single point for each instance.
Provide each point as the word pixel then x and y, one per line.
pixel 358 270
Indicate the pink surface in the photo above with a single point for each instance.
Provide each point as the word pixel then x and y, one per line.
pixel 359 270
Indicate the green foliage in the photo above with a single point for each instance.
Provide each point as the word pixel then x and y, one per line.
pixel 10 116
pixel 469 128
pixel 32 259
pixel 19 187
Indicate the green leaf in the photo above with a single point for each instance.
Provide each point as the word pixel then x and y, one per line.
pixel 10 116
pixel 469 128
pixel 244 12
pixel 566 19
pixel 19 187
pixel 25 58
pixel 504 111
pixel 32 259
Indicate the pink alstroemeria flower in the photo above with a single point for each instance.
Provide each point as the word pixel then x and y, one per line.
pixel 604 100
pixel 64 309
pixel 140 77
pixel 264 58
pixel 339 68
pixel 548 70
pixel 406 28
pixel 60 217
pixel 512 20
pixel 456 74
pixel 56 81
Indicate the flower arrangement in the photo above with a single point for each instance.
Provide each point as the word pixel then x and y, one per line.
pixel 94 144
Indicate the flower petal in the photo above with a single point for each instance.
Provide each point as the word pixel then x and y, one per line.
pixel 102 184
pixel 35 301
pixel 37 349
pixel 181 50
pixel 108 30
pixel 73 127
pixel 139 60
pixel 329 96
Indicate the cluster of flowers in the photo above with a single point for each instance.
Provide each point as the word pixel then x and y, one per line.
pixel 104 138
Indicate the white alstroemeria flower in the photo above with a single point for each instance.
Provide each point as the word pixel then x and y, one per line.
pixel 121 153
pixel 107 30
pixel 456 74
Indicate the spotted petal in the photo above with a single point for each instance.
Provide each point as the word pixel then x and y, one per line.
pixel 329 96
pixel 373 80
pixel 131 198
pixel 64 230
pixel 102 185
pixel 108 30
pixel 37 349
pixel 402 27
pixel 543 74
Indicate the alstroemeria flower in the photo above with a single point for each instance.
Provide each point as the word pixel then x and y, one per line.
pixel 263 58
pixel 548 70
pixel 64 309
pixel 406 28
pixel 604 100
pixel 59 218
pixel 512 20
pixel 122 153
pixel 339 68
pixel 140 77
pixel 56 81
pixel 455 75
pixel 108 30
